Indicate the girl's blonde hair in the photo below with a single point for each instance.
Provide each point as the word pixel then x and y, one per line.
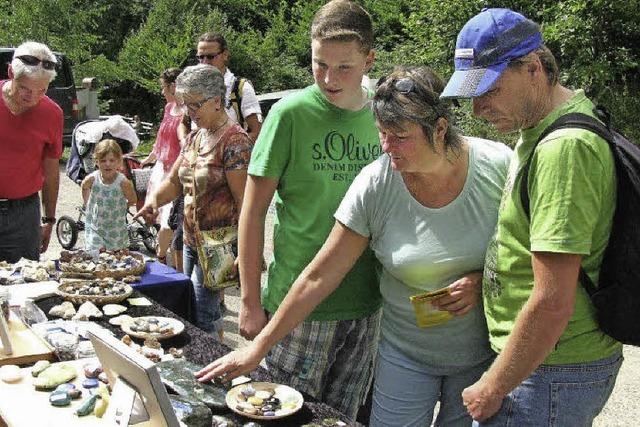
pixel 106 147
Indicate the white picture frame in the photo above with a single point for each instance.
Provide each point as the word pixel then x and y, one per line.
pixel 138 392
pixel 7 349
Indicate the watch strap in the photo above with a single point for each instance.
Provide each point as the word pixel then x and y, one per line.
pixel 48 220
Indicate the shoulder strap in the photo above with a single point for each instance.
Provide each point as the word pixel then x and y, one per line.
pixel 574 121
pixel 198 138
pixel 236 98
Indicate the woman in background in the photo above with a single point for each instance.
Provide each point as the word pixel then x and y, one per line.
pixel 165 152
pixel 210 172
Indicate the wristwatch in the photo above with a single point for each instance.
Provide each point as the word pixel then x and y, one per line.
pixel 48 219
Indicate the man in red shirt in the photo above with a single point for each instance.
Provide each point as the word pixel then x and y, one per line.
pixel 30 149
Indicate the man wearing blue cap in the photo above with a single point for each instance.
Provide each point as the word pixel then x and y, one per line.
pixel 554 365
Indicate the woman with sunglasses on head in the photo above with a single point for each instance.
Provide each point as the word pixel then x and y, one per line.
pixel 210 171
pixel 427 208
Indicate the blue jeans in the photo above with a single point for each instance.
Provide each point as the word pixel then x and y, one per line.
pixel 208 316
pixel 559 395
pixel 405 392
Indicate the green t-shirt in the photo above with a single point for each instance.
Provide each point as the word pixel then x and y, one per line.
pixel 572 200
pixel 315 149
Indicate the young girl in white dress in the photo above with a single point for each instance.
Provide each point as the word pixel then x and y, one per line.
pixel 107 193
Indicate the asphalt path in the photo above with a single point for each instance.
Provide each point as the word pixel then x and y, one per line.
pixel 622 409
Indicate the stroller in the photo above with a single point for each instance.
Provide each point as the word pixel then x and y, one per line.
pixel 83 141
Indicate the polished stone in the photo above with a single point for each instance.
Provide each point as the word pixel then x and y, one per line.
pixel 190 411
pixel 87 405
pixel 90 383
pixel 179 375
pixel 53 376
pixel 10 373
pixel 59 398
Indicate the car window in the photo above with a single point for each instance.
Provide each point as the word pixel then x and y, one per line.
pixel 63 78
pixel 5 59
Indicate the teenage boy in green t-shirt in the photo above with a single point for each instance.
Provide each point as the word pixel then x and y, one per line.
pixel 554 365
pixel 310 148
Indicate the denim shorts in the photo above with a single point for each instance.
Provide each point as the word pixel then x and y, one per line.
pixel 559 395
pixel 208 315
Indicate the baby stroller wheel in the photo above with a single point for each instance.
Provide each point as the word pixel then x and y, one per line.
pixel 149 235
pixel 67 232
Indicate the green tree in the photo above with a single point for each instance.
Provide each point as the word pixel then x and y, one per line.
pixel 128 43
pixel 64 25
pixel 145 55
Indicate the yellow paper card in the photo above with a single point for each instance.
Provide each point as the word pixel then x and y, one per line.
pixel 426 314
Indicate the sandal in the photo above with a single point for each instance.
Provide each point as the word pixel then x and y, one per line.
pixel 162 259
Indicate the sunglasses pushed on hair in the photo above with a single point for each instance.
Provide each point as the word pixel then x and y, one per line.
pixel 404 85
pixel 34 60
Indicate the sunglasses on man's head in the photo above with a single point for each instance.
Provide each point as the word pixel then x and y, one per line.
pixel 207 56
pixel 34 60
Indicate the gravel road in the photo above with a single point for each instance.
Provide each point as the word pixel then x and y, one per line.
pixel 623 408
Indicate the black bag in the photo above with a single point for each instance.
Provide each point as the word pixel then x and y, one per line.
pixel 617 296
pixel 175 215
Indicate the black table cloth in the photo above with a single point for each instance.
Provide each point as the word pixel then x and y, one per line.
pixel 202 348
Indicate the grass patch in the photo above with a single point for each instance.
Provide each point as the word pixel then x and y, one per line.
pixel 145 146
pixel 65 155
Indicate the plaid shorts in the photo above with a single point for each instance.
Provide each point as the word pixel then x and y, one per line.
pixel 332 361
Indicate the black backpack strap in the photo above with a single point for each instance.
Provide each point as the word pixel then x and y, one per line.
pixel 574 121
pixel 236 98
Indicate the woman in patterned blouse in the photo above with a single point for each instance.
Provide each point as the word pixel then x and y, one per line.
pixel 217 153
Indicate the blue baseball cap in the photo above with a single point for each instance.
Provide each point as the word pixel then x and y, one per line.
pixel 485 45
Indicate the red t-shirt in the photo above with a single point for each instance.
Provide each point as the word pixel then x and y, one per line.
pixel 25 140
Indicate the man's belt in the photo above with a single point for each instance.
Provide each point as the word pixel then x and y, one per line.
pixel 6 204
